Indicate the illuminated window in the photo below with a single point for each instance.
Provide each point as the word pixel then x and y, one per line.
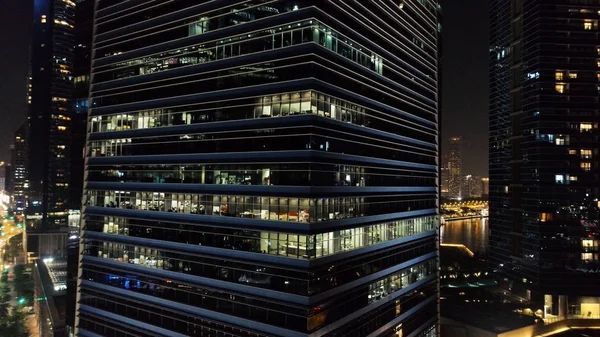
pixel 598 76
pixel 585 127
pixel 559 179
pixel 598 50
pixel 598 63
pixel 62 147
pixel 545 217
pixel 586 166
pixel 586 154
pixel 587 256
pixel 572 178
pixel 560 88
pixel 572 151
pixel 61 128
pixel 558 75
pixel 572 75
pixel 587 25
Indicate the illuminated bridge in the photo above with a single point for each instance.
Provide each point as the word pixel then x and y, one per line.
pixel 456 210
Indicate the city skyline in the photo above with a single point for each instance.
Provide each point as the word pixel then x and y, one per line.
pixel 464 72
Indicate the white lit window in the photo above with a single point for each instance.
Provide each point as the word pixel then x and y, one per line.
pixel 585 127
pixel 587 25
pixel 559 179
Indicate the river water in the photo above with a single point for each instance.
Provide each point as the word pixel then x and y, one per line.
pixel 473 233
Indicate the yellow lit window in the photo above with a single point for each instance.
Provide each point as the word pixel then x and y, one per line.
pixel 598 76
pixel 586 166
pixel 572 178
pixel 586 154
pixel 558 75
pixel 545 217
pixel 598 63
pixel 587 25
pixel 598 50
pixel 587 256
pixel 62 147
pixel 572 151
pixel 560 88
pixel 61 128
pixel 585 127
pixel 572 75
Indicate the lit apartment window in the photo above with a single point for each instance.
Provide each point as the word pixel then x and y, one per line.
pixel 572 178
pixel 598 63
pixel 587 25
pixel 545 217
pixel 588 256
pixel 573 75
pixel 586 154
pixel 62 147
pixel 598 76
pixel 560 88
pixel 586 166
pixel 598 50
pixel 572 151
pixel 583 127
pixel 559 179
pixel 558 75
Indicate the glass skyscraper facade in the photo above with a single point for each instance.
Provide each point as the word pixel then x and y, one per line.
pixel 50 114
pixel 261 168
pixel 544 185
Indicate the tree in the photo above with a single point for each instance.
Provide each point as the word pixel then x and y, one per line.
pixel 14 324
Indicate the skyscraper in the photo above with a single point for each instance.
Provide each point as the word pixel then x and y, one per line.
pixel 454 166
pixel 544 186
pixel 50 113
pixel 20 158
pixel 261 169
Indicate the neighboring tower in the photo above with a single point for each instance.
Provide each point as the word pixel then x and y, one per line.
pixel 454 166
pixel 544 142
pixel 485 187
pixel 445 174
pixel 50 113
pixel 262 170
pixel 19 164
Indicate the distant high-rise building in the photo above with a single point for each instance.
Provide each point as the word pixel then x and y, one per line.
pixel 261 169
pixel 445 181
pixel 50 113
pixel 471 186
pixel 20 159
pixel 453 163
pixel 544 150
pixel 485 187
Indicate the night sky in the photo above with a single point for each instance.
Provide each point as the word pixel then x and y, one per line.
pixel 465 92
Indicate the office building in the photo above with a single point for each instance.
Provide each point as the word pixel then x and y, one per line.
pixel 453 163
pixel 261 169
pixel 50 114
pixel 485 187
pixel 445 182
pixel 471 186
pixel 49 277
pixel 20 159
pixel 544 185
